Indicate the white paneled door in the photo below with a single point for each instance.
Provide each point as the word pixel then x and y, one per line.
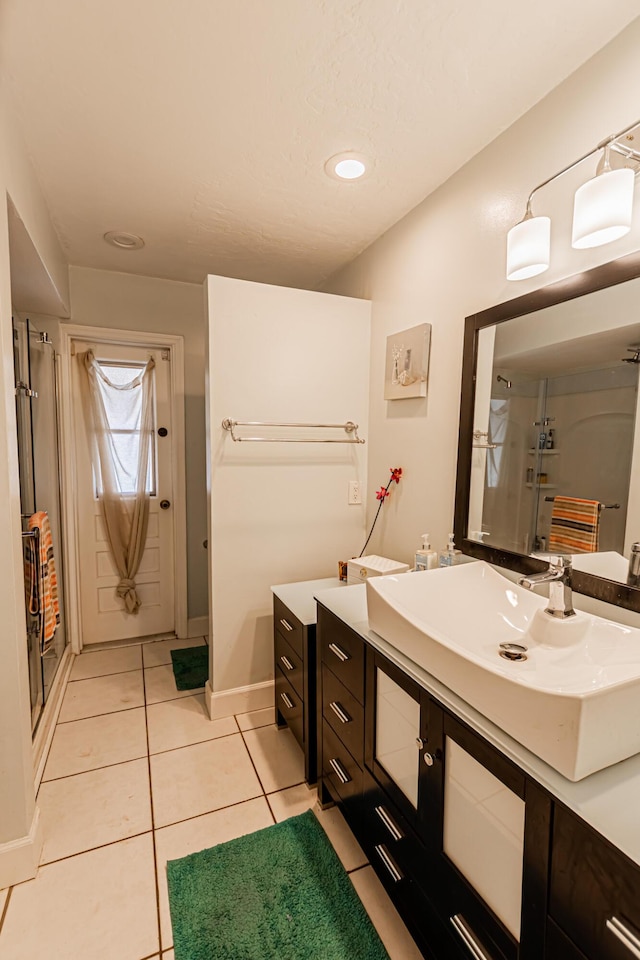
pixel 103 615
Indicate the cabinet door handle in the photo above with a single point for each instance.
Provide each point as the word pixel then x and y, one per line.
pixel 339 771
pixel 286 699
pixel 286 625
pixel 390 824
pixel 340 712
pixel 287 662
pixel 624 935
pixel 339 652
pixel 388 862
pixel 465 934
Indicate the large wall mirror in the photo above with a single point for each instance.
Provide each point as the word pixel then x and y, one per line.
pixel 550 409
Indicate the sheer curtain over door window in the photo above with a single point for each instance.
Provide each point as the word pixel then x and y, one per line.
pixel 124 474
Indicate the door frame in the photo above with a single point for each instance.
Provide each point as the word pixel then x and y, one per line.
pixel 70 526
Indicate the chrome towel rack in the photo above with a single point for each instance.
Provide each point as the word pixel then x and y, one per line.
pixel 349 427
pixel 481 440
pixel 601 506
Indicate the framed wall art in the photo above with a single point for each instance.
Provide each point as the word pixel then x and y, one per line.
pixel 407 363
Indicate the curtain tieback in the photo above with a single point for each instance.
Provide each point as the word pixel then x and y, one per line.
pixel 126 590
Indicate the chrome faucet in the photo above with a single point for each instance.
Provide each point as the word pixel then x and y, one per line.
pixel 558 576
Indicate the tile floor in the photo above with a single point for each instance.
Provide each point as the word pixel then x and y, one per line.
pixel 138 775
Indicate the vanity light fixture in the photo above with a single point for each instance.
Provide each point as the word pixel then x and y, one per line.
pixel 347 166
pixel 602 209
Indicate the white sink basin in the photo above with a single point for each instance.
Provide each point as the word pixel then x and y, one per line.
pixel 573 701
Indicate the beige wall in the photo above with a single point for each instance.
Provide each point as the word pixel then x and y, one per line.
pixel 279 511
pixel 20 837
pixel 446 260
pixel 102 298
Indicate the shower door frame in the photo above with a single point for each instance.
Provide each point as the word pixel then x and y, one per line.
pixel 174 344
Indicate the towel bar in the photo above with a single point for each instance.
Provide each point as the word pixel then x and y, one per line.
pixel 350 427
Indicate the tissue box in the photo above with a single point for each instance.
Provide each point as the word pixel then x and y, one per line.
pixel 363 568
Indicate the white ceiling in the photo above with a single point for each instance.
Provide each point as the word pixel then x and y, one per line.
pixel 204 125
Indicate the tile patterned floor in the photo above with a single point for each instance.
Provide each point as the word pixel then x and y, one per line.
pixel 138 775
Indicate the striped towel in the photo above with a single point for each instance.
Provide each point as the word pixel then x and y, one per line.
pixel 574 525
pixel 43 589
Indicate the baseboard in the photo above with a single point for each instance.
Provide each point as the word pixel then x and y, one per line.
pixel 198 627
pixel 224 703
pixel 19 858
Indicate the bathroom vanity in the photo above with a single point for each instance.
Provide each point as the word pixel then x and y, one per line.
pixel 487 852
pixel 294 642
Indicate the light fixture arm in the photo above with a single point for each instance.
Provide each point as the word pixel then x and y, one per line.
pixel 603 145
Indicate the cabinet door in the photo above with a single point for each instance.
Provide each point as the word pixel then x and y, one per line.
pixel 495 847
pixel 403 737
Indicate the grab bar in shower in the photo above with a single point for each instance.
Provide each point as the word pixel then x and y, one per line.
pixel 349 427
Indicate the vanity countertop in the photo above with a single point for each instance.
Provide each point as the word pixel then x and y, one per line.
pixel 300 597
pixel 608 800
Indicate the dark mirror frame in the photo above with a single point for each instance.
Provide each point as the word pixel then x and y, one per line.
pixel 607 275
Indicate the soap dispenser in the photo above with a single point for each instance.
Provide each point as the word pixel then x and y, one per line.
pixel 449 556
pixel 426 558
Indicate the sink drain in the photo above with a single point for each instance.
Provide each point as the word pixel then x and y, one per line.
pixel 513 651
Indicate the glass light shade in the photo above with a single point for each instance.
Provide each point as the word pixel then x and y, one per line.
pixel 528 246
pixel 602 209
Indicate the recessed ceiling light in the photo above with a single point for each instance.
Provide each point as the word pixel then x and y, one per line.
pixel 126 241
pixel 347 166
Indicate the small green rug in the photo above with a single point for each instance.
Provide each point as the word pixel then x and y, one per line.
pixel 191 667
pixel 278 894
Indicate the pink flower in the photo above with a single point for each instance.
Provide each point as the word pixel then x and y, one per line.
pixel 382 493
pixel 396 474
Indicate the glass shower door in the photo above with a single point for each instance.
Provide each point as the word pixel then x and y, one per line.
pixel 37 431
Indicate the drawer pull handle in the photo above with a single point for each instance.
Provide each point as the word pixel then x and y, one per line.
pixel 339 771
pixel 340 712
pixel 470 942
pixel 286 699
pixel 392 827
pixel 339 652
pixel 287 662
pixel 625 936
pixel 388 862
pixel 286 625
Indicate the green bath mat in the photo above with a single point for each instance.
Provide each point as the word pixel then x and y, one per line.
pixel 278 894
pixel 191 667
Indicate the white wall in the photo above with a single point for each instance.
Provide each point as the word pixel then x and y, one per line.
pixel 446 260
pixel 279 511
pixel 123 301
pixel 20 836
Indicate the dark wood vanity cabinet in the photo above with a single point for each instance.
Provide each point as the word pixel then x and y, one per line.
pixel 594 894
pixel 480 861
pixel 295 681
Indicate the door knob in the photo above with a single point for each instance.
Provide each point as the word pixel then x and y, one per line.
pixel 162 431
pixel 165 504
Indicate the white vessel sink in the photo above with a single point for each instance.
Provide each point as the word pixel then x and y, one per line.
pixel 573 701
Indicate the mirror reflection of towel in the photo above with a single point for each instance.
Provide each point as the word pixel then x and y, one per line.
pixel 575 525
pixel 44 586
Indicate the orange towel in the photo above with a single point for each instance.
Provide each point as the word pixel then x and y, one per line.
pixel 574 525
pixel 44 589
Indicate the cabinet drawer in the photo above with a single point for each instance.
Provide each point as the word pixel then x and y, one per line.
pixel 289 626
pixel 343 712
pixel 341 770
pixel 385 824
pixel 288 661
pixel 595 891
pixel 290 706
pixel 343 652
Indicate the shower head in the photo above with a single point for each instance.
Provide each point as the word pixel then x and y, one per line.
pixel 508 382
pixel 636 355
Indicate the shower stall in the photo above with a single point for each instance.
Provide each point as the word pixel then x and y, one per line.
pixel 35 368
